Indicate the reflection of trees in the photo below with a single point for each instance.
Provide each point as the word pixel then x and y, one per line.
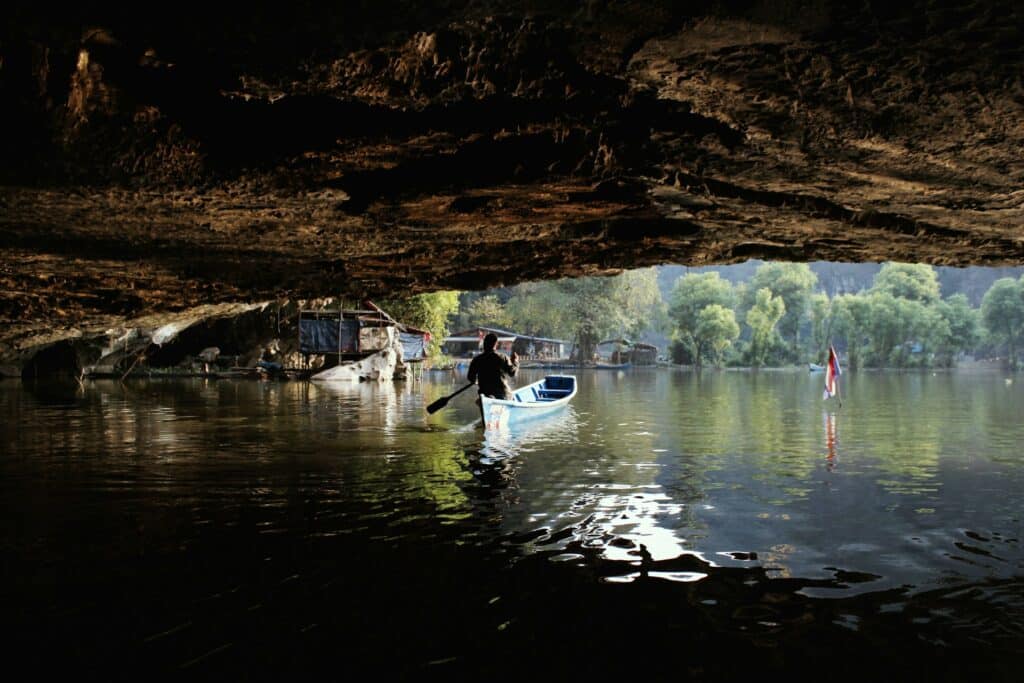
pixel 728 419
pixel 910 423
pixel 908 442
pixel 643 451
pixel 278 436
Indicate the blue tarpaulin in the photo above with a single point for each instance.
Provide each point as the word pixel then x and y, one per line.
pixel 328 336
pixel 414 346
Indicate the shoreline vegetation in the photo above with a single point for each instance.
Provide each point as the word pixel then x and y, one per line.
pixel 772 314
pixel 756 315
pixel 996 365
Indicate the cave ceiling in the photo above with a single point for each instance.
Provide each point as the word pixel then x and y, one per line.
pixel 159 161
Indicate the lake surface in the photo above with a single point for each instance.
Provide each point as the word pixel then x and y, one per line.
pixel 667 524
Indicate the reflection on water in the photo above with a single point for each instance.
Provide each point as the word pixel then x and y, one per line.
pixel 224 525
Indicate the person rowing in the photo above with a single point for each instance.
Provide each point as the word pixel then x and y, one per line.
pixel 490 369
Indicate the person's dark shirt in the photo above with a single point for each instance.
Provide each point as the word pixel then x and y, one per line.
pixel 489 371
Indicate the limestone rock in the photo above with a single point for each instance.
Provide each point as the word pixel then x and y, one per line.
pixel 467 145
pixel 382 366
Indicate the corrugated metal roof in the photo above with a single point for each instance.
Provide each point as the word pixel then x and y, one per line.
pixel 509 333
pixel 475 339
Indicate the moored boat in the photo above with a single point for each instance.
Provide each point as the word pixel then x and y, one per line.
pixel 534 400
pixel 612 366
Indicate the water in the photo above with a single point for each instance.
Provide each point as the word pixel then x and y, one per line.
pixel 707 526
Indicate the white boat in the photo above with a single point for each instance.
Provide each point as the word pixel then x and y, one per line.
pixel 534 400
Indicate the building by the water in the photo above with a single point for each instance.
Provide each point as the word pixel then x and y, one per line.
pixel 469 342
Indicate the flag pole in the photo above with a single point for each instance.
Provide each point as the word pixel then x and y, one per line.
pixel 839 394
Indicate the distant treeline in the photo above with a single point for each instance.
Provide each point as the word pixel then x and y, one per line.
pixel 781 316
pixel 761 314
pixel 851 278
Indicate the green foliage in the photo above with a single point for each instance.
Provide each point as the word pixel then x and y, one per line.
pixel 820 314
pixel 899 322
pixel 587 310
pixel 487 311
pixel 716 329
pixel 679 352
pixel 912 281
pixel 641 302
pixel 762 318
pixel 901 330
pixel 693 293
pixel 537 309
pixel 428 312
pixel 931 332
pixel 884 330
pixel 461 319
pixel 964 333
pixel 1002 312
pixel 793 283
pixel 852 316
pixel 887 326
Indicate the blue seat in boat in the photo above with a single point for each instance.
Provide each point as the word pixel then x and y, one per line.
pixel 554 382
pixel 554 393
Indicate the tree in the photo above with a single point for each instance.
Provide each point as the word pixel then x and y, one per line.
pixel 428 312
pixel 537 309
pixel 715 330
pixel 913 281
pixel 962 321
pixel 932 332
pixel 902 330
pixel 820 313
pixel 885 330
pixel 1002 312
pixel 693 293
pixel 587 309
pixel 852 314
pixel 762 318
pixel 793 283
pixel 643 305
pixel 487 311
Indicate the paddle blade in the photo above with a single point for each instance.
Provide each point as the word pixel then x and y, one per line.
pixel 438 404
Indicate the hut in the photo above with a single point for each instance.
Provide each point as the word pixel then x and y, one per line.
pixel 623 351
pixel 643 354
pixel 469 342
pixel 540 348
pixel 351 336
pixel 613 351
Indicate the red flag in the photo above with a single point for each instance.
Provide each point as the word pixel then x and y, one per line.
pixel 832 373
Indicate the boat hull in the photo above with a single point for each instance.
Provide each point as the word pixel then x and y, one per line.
pixel 532 401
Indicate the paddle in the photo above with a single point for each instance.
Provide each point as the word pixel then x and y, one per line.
pixel 443 401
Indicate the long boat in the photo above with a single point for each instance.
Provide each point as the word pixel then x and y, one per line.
pixel 534 400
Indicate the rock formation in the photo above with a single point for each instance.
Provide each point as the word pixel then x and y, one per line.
pixel 383 366
pixel 154 163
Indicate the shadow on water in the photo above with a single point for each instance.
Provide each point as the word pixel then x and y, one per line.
pixel 495 457
pixel 255 531
pixel 582 612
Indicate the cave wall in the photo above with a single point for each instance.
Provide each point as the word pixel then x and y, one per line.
pixel 155 162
